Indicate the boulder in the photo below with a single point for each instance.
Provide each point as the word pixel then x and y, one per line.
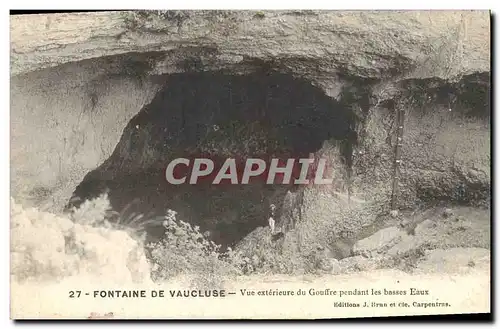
pixel 379 242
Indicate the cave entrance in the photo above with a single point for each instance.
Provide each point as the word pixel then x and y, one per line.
pixel 219 116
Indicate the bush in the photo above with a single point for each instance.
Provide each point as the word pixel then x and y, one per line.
pixel 182 250
pixel 185 251
pixel 94 239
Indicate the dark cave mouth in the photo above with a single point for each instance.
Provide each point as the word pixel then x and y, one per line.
pixel 218 116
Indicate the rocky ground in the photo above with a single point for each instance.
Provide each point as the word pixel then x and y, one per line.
pixel 436 249
pixel 435 240
pixel 439 239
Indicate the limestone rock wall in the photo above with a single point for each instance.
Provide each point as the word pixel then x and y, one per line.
pixel 78 80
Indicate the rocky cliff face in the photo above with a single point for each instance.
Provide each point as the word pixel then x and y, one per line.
pixel 105 100
pixel 318 44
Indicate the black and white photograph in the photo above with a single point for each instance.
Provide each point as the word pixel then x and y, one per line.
pixel 250 164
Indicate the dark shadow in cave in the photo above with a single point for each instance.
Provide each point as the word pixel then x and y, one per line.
pixel 217 115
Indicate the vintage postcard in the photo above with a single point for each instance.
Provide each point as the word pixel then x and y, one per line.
pixel 230 164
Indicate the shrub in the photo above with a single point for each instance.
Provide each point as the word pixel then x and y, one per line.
pixel 183 250
pixel 94 239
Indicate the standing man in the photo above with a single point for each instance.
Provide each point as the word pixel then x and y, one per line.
pixel 271 217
